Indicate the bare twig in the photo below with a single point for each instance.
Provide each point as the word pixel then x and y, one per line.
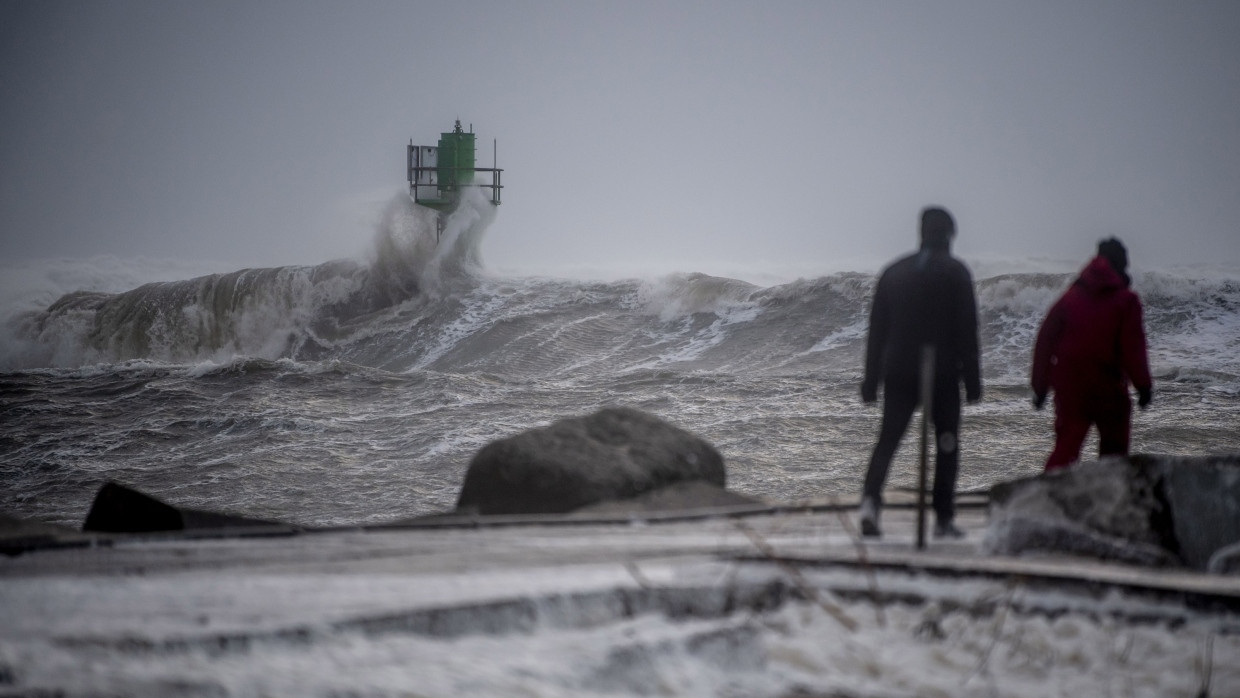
pixel 1002 610
pixel 1122 656
pixel 637 575
pixel 864 559
pixel 797 578
pixel 1207 666
pixel 1126 652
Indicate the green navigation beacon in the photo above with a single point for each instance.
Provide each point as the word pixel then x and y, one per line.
pixel 438 174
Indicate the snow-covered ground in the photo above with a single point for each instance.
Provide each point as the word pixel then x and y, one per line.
pixel 675 609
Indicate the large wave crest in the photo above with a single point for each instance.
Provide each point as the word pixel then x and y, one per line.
pixel 270 313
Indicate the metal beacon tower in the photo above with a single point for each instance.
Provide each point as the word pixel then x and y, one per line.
pixel 438 174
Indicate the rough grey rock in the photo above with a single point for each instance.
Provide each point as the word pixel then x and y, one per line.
pixel 1147 509
pixel 120 509
pixel 1225 560
pixel 1100 508
pixel 1204 499
pixel 613 454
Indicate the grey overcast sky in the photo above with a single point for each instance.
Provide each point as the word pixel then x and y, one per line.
pixel 665 135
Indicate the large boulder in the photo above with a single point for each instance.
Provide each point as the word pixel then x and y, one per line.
pixel 1149 510
pixel 121 509
pixel 613 454
pixel 1102 509
pixel 1204 499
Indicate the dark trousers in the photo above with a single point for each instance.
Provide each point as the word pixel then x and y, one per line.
pixel 1109 410
pixel 899 402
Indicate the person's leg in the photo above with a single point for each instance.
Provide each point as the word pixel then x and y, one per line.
pixel 1114 420
pixel 1071 427
pixel 898 406
pixel 947 452
pixel 899 401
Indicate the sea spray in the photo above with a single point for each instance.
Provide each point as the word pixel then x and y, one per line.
pixel 291 312
pixel 456 260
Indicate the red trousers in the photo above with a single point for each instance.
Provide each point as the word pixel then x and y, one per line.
pixel 1075 413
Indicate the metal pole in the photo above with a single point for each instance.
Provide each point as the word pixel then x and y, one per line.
pixel 927 416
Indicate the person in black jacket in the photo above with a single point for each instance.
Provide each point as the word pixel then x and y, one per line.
pixel 922 299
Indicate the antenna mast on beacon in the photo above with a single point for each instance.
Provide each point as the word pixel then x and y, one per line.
pixel 438 174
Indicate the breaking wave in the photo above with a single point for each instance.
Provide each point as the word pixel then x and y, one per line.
pixel 418 304
pixel 282 312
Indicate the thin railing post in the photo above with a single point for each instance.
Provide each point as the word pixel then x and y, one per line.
pixel 927 400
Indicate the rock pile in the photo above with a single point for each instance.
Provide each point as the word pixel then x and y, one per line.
pixel 1147 509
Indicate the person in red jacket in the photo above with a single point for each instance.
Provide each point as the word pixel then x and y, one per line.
pixel 1090 347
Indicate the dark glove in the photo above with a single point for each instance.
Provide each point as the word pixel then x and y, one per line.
pixel 1144 395
pixel 869 392
pixel 973 396
pixel 1039 401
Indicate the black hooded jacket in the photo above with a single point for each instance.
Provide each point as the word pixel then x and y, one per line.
pixel 926 297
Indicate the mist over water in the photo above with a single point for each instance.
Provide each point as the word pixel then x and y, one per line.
pixel 357 391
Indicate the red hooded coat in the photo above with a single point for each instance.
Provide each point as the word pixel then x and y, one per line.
pixel 1092 339
pixel 1090 346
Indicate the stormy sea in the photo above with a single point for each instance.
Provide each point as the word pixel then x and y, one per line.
pixel 351 394
pixel 356 392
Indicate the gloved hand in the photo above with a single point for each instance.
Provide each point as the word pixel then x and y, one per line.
pixel 869 392
pixel 1144 395
pixel 973 396
pixel 1039 401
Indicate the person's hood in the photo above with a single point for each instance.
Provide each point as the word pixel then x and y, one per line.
pixel 1099 277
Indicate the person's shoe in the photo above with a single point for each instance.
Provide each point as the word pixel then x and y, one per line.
pixel 869 518
pixel 947 529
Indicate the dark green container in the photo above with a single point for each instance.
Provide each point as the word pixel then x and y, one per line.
pixel 456 159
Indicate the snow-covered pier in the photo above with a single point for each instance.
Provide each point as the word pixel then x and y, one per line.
pixel 782 601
